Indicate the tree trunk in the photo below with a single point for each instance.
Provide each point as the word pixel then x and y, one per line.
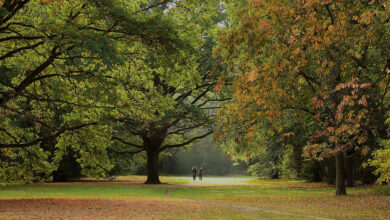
pixel 368 176
pixel 152 166
pixel 340 177
pixel 349 169
pixel 330 171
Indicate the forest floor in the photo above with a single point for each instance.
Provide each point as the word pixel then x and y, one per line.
pixel 182 198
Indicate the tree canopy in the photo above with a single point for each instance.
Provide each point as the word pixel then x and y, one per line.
pixel 57 59
pixel 325 63
pixel 294 88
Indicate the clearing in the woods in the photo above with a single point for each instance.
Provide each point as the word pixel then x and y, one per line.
pixel 182 198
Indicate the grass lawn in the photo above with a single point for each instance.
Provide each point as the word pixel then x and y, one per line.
pixel 182 198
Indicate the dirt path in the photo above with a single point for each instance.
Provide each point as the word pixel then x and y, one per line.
pixel 252 210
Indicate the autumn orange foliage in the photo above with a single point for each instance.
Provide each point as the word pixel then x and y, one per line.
pixel 318 58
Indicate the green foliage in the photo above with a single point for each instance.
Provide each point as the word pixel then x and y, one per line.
pixel 57 59
pixel 381 160
pixel 163 99
pixel 90 146
pixel 99 81
pixel 127 164
pixel 25 165
pixel 323 64
pixel 264 168
pixel 289 164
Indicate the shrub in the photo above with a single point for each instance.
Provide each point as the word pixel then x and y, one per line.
pixel 381 161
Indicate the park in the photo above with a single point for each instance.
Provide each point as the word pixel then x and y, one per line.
pixel 181 198
pixel 194 109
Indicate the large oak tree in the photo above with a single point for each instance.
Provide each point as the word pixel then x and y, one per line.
pixel 169 101
pixel 55 59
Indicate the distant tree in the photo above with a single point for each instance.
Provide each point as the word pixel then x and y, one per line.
pixel 203 154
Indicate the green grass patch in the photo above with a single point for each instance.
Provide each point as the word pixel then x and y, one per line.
pixel 381 190
pixel 82 190
pixel 296 199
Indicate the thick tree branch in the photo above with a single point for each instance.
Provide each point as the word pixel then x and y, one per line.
pixel 202 94
pixel 125 151
pixel 8 134
pixel 188 93
pixel 38 140
pixel 30 77
pixel 12 6
pixel 213 100
pixel 300 108
pixel 185 143
pixel 152 6
pixel 21 38
pixel 188 128
pixel 9 54
pixel 127 143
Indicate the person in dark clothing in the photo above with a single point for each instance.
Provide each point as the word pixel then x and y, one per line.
pixel 200 173
pixel 194 171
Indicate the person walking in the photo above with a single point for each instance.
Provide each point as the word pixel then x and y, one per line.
pixel 194 171
pixel 200 173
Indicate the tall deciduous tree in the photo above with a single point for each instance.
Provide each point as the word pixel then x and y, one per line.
pixel 173 95
pixel 311 57
pixel 54 59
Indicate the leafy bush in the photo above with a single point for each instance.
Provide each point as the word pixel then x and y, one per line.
pixel 381 161
pixel 266 169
